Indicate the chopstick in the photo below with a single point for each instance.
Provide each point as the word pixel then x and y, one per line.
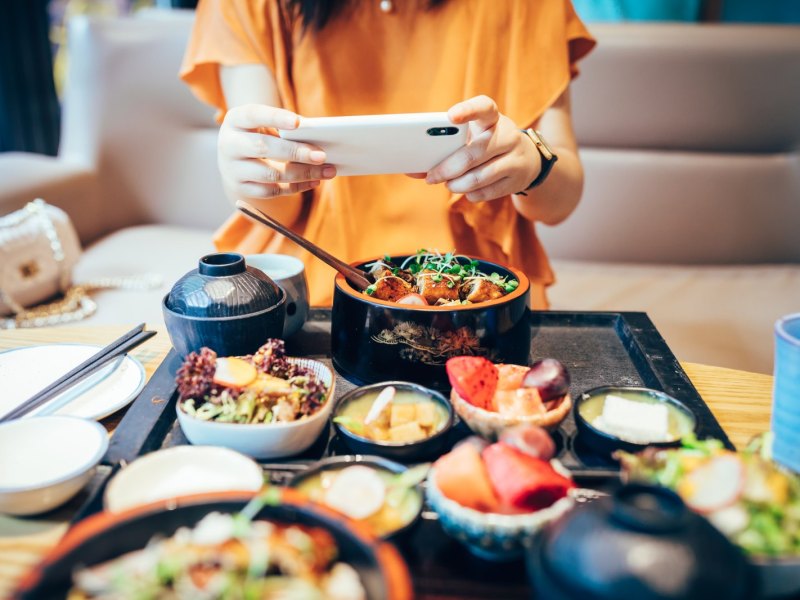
pixel 115 349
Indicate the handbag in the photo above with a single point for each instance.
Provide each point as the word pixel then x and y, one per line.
pixel 39 248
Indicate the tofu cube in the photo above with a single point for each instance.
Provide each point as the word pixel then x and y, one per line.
pixel 402 414
pixel 408 432
pixel 426 414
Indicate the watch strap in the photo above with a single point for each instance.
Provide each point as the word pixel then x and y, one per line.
pixel 547 156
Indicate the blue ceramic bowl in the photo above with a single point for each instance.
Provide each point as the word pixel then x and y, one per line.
pixel 490 536
pixel 223 305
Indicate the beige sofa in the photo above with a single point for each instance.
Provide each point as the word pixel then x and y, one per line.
pixel 690 138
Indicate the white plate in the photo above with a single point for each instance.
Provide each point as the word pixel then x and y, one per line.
pixel 25 371
pixel 181 470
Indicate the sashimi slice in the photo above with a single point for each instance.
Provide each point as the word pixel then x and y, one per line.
pixel 461 476
pixel 474 378
pixel 523 481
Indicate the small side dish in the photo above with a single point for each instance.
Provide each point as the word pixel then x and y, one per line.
pixel 493 496
pixel 491 397
pixel 266 387
pixel 267 405
pixel 436 279
pixel 397 419
pixel 226 556
pixel 381 494
pixel 630 418
pixel 746 495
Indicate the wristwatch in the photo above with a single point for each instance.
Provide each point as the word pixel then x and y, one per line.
pixel 547 155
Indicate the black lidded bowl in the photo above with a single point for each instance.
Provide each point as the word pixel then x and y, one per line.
pixel 224 305
pixel 641 543
pixel 337 463
pixel 374 340
pixel 426 449
pixel 606 443
pixel 104 536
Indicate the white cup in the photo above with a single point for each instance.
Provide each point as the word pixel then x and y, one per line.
pixel 289 273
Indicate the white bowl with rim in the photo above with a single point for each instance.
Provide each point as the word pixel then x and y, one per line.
pixel 265 440
pixel 180 471
pixel 47 460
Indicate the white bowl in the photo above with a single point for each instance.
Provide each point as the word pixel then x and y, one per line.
pixel 265 440
pixel 46 461
pixel 180 471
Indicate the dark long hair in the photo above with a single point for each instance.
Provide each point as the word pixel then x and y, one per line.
pixel 315 14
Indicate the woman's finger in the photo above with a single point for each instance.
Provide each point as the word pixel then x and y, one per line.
pixel 261 171
pixel 478 151
pixel 261 145
pixel 261 191
pixel 480 109
pixel 479 177
pixel 252 117
pixel 498 189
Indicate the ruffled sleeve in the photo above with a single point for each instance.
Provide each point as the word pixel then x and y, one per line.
pixel 545 40
pixel 234 32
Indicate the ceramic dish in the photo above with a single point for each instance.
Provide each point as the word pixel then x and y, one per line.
pixel 489 424
pixel 265 440
pixel 681 418
pixel 308 482
pixel 497 537
pixel 46 461
pixel 223 305
pixel 107 535
pixel 180 471
pixel 375 340
pixel 428 448
pixel 289 273
pixel 25 371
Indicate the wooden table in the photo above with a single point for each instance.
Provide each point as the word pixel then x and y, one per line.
pixel 741 402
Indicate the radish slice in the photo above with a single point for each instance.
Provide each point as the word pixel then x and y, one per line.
pixel 357 492
pixel 714 485
pixel 381 402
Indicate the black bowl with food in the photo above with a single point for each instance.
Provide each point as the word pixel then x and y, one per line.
pixel 396 419
pixel 305 545
pixel 424 309
pixel 610 418
pixel 381 494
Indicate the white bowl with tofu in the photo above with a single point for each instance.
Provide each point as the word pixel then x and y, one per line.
pixel 611 418
pixel 399 420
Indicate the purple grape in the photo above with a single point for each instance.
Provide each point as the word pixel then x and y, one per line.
pixel 531 440
pixel 549 377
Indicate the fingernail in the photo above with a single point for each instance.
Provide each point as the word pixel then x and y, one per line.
pixel 317 156
pixel 430 180
pixel 328 172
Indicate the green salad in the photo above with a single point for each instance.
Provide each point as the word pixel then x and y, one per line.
pixel 751 499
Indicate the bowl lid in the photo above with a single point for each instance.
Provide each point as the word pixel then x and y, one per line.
pixel 223 286
pixel 643 543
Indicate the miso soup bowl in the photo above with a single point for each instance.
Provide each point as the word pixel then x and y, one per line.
pixel 374 340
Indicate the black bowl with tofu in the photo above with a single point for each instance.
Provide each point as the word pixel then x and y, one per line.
pixel 375 339
pixel 410 426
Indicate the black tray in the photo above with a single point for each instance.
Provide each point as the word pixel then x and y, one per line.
pixel 598 348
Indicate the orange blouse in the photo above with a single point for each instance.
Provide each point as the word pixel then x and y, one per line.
pixel 413 59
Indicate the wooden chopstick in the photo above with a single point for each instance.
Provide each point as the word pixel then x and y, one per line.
pixel 118 347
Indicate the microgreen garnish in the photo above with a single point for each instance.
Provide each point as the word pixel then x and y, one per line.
pixel 370 289
pixel 456 267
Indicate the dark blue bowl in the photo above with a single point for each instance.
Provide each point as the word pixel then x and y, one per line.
pixel 223 305
pixel 426 449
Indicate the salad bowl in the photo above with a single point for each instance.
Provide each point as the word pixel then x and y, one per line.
pixel 376 340
pixel 106 536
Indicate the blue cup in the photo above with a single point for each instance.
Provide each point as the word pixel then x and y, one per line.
pixel 786 393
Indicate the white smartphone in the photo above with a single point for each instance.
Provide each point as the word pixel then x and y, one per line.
pixel 378 144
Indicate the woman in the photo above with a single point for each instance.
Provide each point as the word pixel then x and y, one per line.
pixel 501 65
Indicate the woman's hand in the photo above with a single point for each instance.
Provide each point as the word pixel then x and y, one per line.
pixel 497 160
pixel 257 164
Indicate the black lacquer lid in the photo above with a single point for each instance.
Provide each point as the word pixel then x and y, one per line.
pixel 223 286
pixel 641 543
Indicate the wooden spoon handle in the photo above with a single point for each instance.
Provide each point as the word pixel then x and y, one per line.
pixel 354 276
